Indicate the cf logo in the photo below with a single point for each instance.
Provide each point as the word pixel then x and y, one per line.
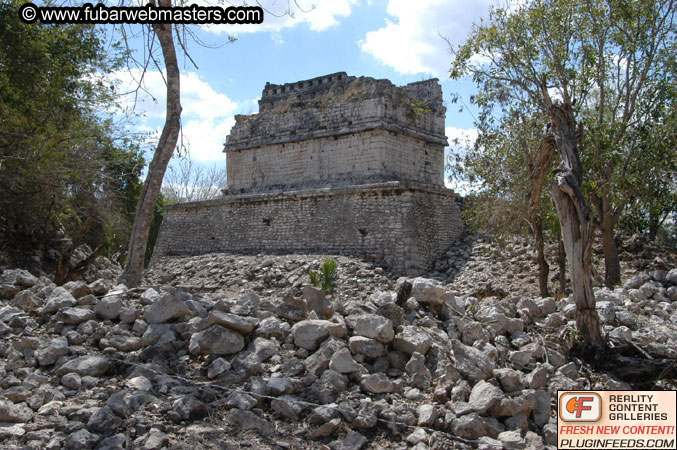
pixel 580 406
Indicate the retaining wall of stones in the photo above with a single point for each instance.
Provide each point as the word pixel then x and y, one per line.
pixel 401 225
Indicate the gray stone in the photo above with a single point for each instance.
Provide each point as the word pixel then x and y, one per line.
pixel 512 440
pixel 169 307
pixel 377 383
pixel 418 372
pixel 10 430
pixel 368 347
pixel 636 281
pixel 288 407
pixel 139 383
pixel 317 302
pixel 418 435
pixel 537 378
pixel 352 441
pixel 240 324
pixel 343 362
pixel 606 312
pixel 216 340
pixel 156 440
pixel 272 327
pixel 472 426
pixel 81 440
pixel 121 340
pixel 484 396
pixel 190 408
pixel 372 326
pixel 541 411
pixel 309 334
pixel 115 442
pixel 72 381
pixel 26 301
pixel 109 307
pixel 280 386
pixel 240 400
pixel 473 364
pixel 218 367
pixel 247 420
pixel 510 379
pixel 412 339
pixel 59 299
pixel 149 296
pixel 428 292
pixel 52 350
pixel 75 316
pixel 19 413
pixel 324 430
pixel 91 365
pixel 427 414
pixel 104 420
pixel 318 362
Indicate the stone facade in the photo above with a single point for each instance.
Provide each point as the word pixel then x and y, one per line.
pixel 336 164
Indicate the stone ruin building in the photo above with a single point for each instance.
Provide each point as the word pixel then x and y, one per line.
pixel 336 165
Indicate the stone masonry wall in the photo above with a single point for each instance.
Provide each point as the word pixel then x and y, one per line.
pixel 404 226
pixel 370 156
pixel 338 130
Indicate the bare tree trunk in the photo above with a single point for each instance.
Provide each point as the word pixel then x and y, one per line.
pixel 608 217
pixel 612 265
pixel 574 218
pixel 543 268
pixel 562 263
pixel 545 154
pixel 138 240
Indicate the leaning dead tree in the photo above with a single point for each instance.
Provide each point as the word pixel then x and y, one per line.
pixel 138 240
pixel 575 221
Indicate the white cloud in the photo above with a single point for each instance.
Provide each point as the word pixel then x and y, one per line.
pixel 413 41
pixel 207 115
pixel 459 139
pixel 465 136
pixel 318 15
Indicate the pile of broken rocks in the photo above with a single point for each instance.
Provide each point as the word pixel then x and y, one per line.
pixel 406 363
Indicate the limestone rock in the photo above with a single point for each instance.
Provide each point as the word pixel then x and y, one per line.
pixel 91 365
pixel 343 362
pixel 247 420
pixel 190 408
pixel 368 347
pixel 372 326
pixel 81 440
pixel 217 340
pixel 104 421
pixel 240 324
pixel 428 292
pixel 377 383
pixel 484 396
pixel 169 307
pixel 317 302
pixel 59 299
pixel 412 339
pixel 309 333
pixel 15 413
pixel 109 307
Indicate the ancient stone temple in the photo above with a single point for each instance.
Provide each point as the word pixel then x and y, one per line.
pixel 336 164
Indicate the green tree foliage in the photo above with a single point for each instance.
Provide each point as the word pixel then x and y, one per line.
pixel 613 63
pixel 65 170
pixel 596 69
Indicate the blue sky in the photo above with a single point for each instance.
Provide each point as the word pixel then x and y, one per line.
pixel 395 39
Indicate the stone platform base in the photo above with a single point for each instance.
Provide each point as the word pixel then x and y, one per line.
pixel 404 226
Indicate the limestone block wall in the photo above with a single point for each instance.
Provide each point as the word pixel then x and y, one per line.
pixel 371 156
pixel 337 130
pixel 404 226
